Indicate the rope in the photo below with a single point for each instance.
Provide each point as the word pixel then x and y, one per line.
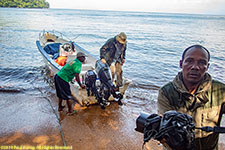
pixel 63 35
pixel 73 39
pixel 60 127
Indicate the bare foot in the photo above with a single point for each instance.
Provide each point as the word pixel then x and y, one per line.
pixel 71 113
pixel 61 108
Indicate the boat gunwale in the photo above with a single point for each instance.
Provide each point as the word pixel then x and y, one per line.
pixel 49 59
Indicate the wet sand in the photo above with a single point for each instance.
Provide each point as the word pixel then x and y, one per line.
pixel 30 121
pixel 27 120
pixel 97 129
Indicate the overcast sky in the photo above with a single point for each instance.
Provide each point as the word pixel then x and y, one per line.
pixel 172 6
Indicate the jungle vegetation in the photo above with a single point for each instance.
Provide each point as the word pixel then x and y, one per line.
pixel 24 3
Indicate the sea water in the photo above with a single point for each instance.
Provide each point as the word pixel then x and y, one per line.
pixel 155 45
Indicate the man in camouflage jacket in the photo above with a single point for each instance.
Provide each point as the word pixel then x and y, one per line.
pixel 194 92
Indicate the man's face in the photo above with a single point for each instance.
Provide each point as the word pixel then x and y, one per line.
pixel 119 43
pixel 82 59
pixel 194 65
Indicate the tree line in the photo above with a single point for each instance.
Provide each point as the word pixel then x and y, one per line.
pixel 24 3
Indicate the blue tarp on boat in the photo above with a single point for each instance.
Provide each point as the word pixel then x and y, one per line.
pixel 53 49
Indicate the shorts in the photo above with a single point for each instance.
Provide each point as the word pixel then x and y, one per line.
pixel 62 88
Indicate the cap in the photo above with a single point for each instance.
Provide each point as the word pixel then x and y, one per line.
pixel 121 38
pixel 80 54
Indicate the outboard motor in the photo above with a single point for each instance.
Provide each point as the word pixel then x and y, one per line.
pixel 107 87
pixel 104 74
pixel 90 82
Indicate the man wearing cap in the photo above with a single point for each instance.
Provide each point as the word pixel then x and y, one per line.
pixel 113 53
pixel 64 76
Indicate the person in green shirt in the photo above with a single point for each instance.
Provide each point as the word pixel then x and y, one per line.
pixel 64 76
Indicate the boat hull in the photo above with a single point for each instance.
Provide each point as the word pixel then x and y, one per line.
pixel 79 94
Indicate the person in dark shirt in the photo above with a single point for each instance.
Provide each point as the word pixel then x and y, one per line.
pixel 113 53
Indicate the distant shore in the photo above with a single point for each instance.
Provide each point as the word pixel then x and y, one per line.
pixel 22 4
pixel 27 7
pixel 24 7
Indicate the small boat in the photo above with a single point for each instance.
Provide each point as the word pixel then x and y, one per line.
pixel 50 43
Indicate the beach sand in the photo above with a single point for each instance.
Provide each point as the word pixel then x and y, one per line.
pixel 30 121
pixel 27 120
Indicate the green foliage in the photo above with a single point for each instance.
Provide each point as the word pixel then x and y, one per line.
pixel 24 3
